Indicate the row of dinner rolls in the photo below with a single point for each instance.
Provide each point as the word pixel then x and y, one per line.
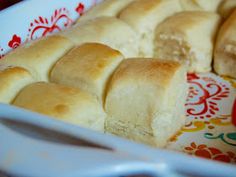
pixel 113 8
pixel 144 28
pixel 187 35
pixel 94 86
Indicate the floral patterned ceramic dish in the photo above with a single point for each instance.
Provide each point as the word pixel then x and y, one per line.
pixel 208 132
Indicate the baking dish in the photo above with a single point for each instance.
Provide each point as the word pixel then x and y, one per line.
pixel 208 132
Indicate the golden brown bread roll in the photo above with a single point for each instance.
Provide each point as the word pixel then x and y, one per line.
pixel 38 56
pixel 109 8
pixel 225 50
pixel 206 5
pixel 144 15
pixel 65 103
pixel 188 37
pixel 88 67
pixel 145 100
pixel 12 80
pixel 227 7
pixel 106 30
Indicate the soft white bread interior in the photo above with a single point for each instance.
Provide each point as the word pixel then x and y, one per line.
pixel 225 50
pixel 188 37
pixel 226 8
pixel 144 15
pixel 12 80
pixel 106 30
pixel 206 5
pixel 65 103
pixel 145 100
pixel 109 8
pixel 38 56
pixel 88 67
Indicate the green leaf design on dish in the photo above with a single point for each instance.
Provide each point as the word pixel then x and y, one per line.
pixel 223 137
pixel 231 136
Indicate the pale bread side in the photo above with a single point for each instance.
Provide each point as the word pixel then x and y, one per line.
pixel 225 49
pixel 145 100
pixel 144 16
pixel 188 37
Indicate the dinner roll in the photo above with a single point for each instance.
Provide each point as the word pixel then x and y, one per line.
pixel 88 67
pixel 65 103
pixel 225 50
pixel 144 15
pixel 12 80
pixel 106 30
pixel 188 37
pixel 38 56
pixel 227 7
pixel 109 8
pixel 206 5
pixel 145 100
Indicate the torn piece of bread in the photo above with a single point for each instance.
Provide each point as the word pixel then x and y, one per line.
pixel 88 67
pixel 188 37
pixel 65 103
pixel 206 5
pixel 109 8
pixel 106 30
pixel 144 15
pixel 38 56
pixel 225 50
pixel 226 8
pixel 12 80
pixel 146 100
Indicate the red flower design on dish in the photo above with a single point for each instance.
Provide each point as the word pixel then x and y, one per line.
pixel 205 93
pixel 192 76
pixel 204 151
pixel 80 9
pixel 43 26
pixel 14 42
